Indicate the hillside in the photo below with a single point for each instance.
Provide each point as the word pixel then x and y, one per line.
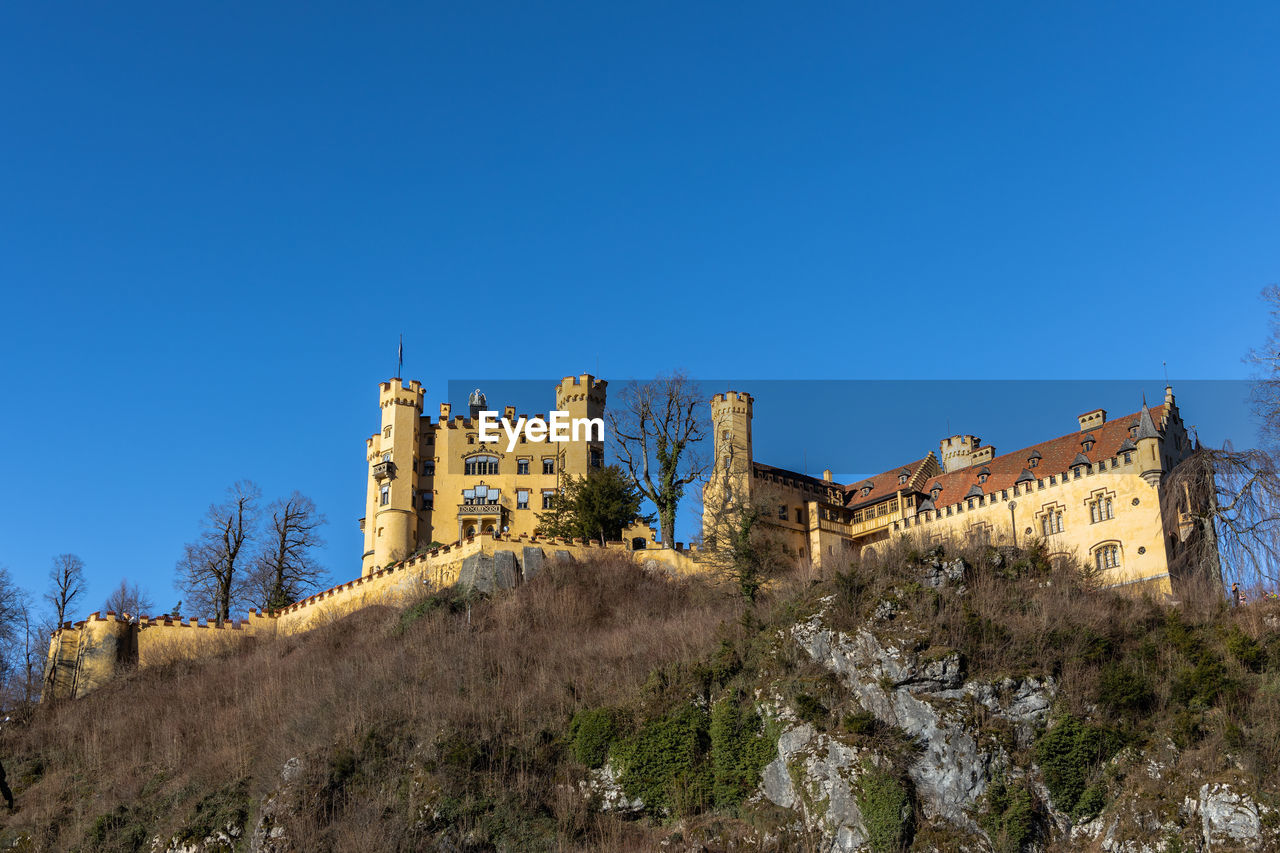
pixel 978 700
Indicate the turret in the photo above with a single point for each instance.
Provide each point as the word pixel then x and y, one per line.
pixel 1148 442
pixel 957 452
pixel 390 526
pixel 583 396
pixel 729 483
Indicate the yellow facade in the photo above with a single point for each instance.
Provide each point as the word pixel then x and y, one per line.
pixel 1094 494
pixel 435 481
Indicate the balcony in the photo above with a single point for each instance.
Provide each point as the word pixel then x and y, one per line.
pixel 384 471
pixel 479 509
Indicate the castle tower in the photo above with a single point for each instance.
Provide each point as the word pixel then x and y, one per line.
pixel 582 397
pixel 1148 441
pixel 957 452
pixel 391 519
pixel 729 484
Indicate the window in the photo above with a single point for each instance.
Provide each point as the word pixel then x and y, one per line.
pixel 982 478
pixel 428 468
pixel 1051 521
pixel 386 457
pixel 799 516
pixel 386 432
pixel 548 465
pixel 782 512
pixel 522 498
pixel 386 495
pixel 1106 556
pixel 522 466
pixel 902 478
pixel 428 500
pixel 1078 471
pixel 1100 509
pixel 1033 461
pixel 1128 457
pixel 546 498
pixel 597 458
pixel 480 465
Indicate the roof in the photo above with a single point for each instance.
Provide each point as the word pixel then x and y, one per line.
pixel 802 480
pixel 1056 455
pixel 885 484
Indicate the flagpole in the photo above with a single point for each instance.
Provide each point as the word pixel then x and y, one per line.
pixel 400 360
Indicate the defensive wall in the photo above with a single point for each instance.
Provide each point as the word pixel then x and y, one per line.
pixel 85 655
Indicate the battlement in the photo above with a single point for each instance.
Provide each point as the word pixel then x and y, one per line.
pixel 579 388
pixel 394 393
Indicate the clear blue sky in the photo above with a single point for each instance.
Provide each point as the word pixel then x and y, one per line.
pixel 215 219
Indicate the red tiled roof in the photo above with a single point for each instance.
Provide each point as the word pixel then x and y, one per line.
pixel 1056 456
pixel 803 480
pixel 886 484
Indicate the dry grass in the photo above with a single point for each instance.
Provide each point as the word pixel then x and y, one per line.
pixel 385 708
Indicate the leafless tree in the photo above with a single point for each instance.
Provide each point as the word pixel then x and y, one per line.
pixel 656 428
pixel 13 607
pixel 213 568
pixel 129 600
pixel 1226 505
pixel 742 548
pixel 285 568
pixel 67 584
pixel 1265 391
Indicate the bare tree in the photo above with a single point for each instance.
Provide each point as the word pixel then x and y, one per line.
pixel 129 600
pixel 285 568
pixel 1265 391
pixel 656 427
pixel 13 606
pixel 67 584
pixel 745 551
pixel 1226 506
pixel 213 568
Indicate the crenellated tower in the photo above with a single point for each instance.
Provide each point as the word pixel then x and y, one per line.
pixel 391 518
pixel 582 397
pixel 729 483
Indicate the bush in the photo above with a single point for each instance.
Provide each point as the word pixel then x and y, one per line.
pixel 1068 754
pixel 1010 816
pixel 590 733
pixel 811 710
pixel 741 745
pixel 886 810
pixel 665 763
pixel 1123 689
pixel 1246 649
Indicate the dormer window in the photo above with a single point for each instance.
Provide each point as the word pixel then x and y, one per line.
pixel 934 492
pixel 982 478
pixel 902 478
pixel 1087 443
pixel 866 490
pixel 1033 462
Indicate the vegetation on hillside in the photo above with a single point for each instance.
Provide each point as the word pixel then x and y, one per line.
pixel 490 722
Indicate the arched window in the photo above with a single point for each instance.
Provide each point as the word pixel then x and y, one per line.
pixel 1106 556
pixel 1051 521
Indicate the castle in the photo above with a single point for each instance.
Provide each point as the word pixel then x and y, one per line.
pixel 437 481
pixel 1094 493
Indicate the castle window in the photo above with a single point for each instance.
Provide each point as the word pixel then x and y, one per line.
pixel 799 516
pixel 522 498
pixel 1033 461
pixel 386 432
pixel 480 465
pixel 548 465
pixel 547 495
pixel 982 478
pixel 1051 521
pixel 522 466
pixel 1078 471
pixel 386 457
pixel 428 468
pixel 902 478
pixel 428 500
pixel 1107 556
pixel 386 495
pixel 1128 457
pixel 1039 483
pixel 597 458
pixel 471 439
pixel 782 512
pixel 1053 479
pixel 1100 509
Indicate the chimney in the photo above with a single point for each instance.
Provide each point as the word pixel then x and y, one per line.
pixel 1093 419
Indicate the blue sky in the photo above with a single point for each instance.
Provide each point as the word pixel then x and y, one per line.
pixel 215 219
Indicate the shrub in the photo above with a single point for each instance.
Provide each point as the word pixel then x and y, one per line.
pixel 741 745
pixel 1009 816
pixel 590 733
pixel 1068 754
pixel 811 710
pixel 886 810
pixel 665 763
pixel 1123 689
pixel 1246 649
